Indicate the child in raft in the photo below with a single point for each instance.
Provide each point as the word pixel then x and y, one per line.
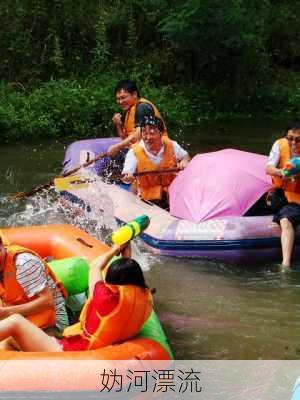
pixel 104 318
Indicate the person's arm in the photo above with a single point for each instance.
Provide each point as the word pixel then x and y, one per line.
pixel 182 156
pixel 31 276
pixel 184 161
pixel 134 137
pixel 43 301
pixel 99 263
pixel 117 120
pixel 130 165
pixel 274 171
pixel 142 110
pixel 273 161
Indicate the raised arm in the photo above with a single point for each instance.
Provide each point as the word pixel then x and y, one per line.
pixel 99 263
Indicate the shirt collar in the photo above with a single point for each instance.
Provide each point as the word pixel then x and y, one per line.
pixel 142 144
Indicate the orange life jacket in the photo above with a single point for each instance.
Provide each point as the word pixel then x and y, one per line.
pixel 129 124
pixel 124 322
pixel 151 187
pixel 291 186
pixel 12 292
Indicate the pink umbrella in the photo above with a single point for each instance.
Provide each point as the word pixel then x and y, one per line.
pixel 218 184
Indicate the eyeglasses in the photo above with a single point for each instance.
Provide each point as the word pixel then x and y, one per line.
pixel 293 139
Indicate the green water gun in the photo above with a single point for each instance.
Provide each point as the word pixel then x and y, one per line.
pixel 292 167
pixel 130 230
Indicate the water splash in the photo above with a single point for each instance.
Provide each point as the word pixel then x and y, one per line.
pixel 40 209
pixel 99 219
pixel 49 208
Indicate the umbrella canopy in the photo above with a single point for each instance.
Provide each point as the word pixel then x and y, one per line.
pixel 218 184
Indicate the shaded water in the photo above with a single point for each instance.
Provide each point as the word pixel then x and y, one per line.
pixel 209 310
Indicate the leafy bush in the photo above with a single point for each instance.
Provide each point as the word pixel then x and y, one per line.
pixel 84 108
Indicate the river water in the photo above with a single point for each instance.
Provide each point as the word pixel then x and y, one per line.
pixel 208 310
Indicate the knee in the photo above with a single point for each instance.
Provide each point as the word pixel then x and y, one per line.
pixel 15 319
pixel 286 224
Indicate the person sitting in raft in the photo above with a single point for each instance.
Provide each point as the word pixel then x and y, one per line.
pixel 29 288
pixel 135 108
pixel 155 152
pixel 104 319
pixel 288 216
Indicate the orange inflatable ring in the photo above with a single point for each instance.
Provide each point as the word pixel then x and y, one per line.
pixel 31 371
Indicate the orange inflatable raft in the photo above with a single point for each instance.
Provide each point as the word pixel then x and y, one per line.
pixel 73 371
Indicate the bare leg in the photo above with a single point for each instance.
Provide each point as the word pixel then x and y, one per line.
pixel 287 241
pixel 28 336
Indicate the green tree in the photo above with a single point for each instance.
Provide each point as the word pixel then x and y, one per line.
pixel 222 41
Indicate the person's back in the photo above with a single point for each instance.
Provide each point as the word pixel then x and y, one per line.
pixel 104 319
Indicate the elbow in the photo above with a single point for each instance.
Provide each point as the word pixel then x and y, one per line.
pixel 47 299
pixel 49 302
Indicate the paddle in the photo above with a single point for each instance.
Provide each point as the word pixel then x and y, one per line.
pixel 79 182
pixel 157 172
pixel 50 183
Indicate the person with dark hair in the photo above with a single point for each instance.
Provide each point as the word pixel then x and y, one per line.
pixel 104 319
pixel 155 152
pixel 134 109
pixel 288 214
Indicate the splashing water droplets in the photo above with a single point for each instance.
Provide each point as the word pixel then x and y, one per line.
pixel 49 207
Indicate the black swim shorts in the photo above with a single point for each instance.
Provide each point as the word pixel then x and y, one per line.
pixel 290 211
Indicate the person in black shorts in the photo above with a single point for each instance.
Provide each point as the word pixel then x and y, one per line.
pixel 288 213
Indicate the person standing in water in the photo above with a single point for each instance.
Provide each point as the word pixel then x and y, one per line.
pixel 288 215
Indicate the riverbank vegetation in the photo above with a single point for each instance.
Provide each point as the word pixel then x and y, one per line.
pixel 196 59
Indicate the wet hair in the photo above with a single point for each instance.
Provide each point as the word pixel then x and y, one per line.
pixel 293 126
pixel 125 271
pixel 128 86
pixel 150 120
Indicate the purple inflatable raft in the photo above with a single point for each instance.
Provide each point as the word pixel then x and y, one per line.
pixel 215 234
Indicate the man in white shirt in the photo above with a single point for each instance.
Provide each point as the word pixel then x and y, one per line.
pixel 288 215
pixel 155 153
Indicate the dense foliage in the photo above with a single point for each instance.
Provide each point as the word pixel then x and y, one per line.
pixel 60 60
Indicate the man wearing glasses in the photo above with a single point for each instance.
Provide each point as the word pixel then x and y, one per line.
pixel 288 216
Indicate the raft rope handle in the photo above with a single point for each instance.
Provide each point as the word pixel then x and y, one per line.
pixel 82 241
